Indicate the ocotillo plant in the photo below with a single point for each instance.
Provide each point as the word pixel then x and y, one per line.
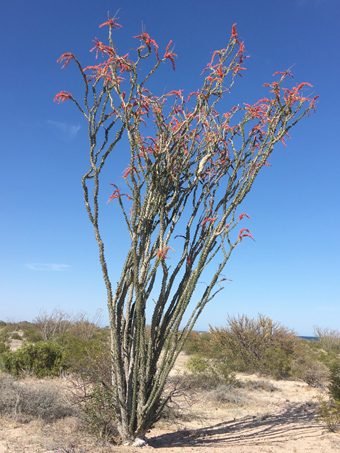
pixel 190 166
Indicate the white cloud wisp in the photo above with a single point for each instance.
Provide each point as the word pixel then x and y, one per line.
pixel 47 267
pixel 66 132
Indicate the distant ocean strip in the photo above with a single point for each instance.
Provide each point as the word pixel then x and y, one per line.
pixel 308 338
pixel 299 336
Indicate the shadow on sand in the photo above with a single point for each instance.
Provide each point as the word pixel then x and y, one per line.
pixel 297 421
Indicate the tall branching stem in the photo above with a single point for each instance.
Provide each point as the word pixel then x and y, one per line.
pixel 184 186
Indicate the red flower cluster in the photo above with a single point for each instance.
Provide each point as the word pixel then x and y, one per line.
pixel 148 41
pixel 244 233
pixel 62 96
pixel 117 194
pixel 110 22
pixel 162 254
pixel 170 55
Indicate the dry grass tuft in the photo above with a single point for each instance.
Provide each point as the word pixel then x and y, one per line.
pixel 27 400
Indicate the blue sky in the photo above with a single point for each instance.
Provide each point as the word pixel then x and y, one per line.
pixel 48 254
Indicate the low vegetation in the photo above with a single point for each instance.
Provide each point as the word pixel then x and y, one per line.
pixel 77 348
pixel 24 401
pixel 259 346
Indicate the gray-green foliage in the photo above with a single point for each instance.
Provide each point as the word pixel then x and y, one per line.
pixel 329 409
pixel 40 359
pixel 328 339
pixel 99 413
pixel 38 400
pixel 261 345
pixel 208 372
pixel 255 345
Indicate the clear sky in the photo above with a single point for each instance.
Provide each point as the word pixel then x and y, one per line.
pixel 48 254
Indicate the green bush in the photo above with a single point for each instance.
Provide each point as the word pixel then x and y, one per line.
pixel 328 339
pixel 78 353
pixel 31 334
pixel 307 366
pixel 94 396
pixel 329 414
pixel 208 373
pixel 255 345
pixel 334 387
pixel 197 364
pixel 16 336
pixel 329 410
pixel 198 343
pixel 99 414
pixel 40 359
pixel 3 347
pixel 5 333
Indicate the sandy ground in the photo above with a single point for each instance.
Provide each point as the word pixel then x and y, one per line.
pixel 282 420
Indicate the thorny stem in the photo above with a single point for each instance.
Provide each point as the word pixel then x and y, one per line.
pixel 186 183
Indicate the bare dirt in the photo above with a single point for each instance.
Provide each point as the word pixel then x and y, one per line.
pixel 278 417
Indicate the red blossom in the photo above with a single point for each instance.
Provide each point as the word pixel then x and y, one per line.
pixel 127 171
pixel 102 48
pixel 243 215
pixel 110 22
pixel 284 73
pixel 261 100
pixel 210 219
pixel 162 254
pixel 244 233
pixel 67 57
pixel 241 49
pixel 170 55
pixel 148 41
pixel 237 69
pixel 193 94
pixel 303 84
pixel 117 194
pixel 233 32
pixel 177 93
pixel 62 96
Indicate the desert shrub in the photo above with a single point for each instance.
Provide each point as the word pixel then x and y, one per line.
pixel 328 357
pixel 225 394
pixel 98 412
pixel 85 327
pixel 307 366
pixel 58 324
pixel 329 410
pixel 5 333
pixel 16 336
pixel 51 324
pixel 329 413
pixel 22 325
pixel 94 397
pixel 79 354
pixel 41 400
pixel 255 345
pixel 198 343
pixel 328 339
pixel 2 324
pixel 3 347
pixel 40 359
pixel 197 364
pixel 250 384
pixel 334 386
pixel 31 334
pixel 207 373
